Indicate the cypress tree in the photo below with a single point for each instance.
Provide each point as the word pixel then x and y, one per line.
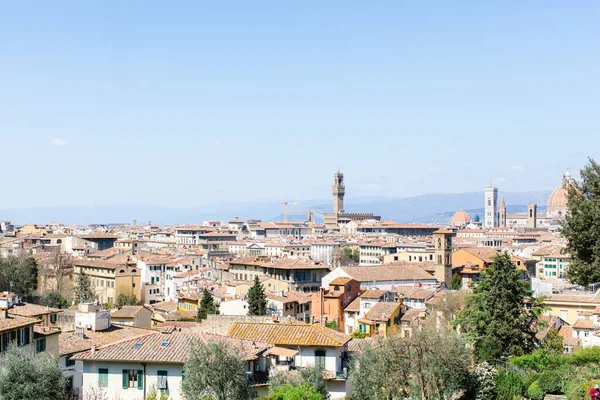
pixel 207 305
pixel 495 317
pixel 257 301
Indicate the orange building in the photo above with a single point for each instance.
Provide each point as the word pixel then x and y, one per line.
pixel 328 305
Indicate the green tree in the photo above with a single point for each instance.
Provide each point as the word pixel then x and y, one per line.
pixel 257 301
pixel 553 342
pixel 494 316
pixel 432 364
pixel 216 370
pixel 52 299
pixel 581 227
pixel 311 376
pixel 19 274
pixel 207 305
pixel 84 293
pixel 28 376
pixel 359 335
pixel 456 282
pixel 292 392
pixel 127 299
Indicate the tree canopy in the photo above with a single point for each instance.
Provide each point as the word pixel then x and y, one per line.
pixel 215 370
pixel 207 306
pixel 84 293
pixel 29 376
pixel 19 274
pixel 257 300
pixel 494 316
pixel 127 299
pixel 432 364
pixel 306 376
pixel 581 227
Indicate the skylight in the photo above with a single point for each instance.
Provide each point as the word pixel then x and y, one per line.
pixel 164 344
pixel 138 345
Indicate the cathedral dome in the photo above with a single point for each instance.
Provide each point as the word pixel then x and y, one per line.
pixel 461 218
pixel 557 203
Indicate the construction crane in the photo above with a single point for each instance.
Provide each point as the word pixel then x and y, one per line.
pixel 285 209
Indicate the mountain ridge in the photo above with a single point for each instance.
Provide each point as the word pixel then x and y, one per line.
pixel 401 209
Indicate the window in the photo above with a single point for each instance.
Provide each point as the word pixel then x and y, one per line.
pixel 52 318
pixel 320 358
pixel 563 315
pixel 69 362
pixel 103 377
pixel 40 345
pixel 367 305
pixel 133 379
pixel 162 381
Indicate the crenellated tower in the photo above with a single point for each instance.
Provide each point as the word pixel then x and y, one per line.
pixel 339 189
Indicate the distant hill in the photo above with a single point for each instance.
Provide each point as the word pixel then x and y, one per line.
pixel 433 208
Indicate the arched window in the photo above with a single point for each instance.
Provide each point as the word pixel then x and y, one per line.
pixel 133 271
pixel 320 358
pixel 122 271
pixel 58 241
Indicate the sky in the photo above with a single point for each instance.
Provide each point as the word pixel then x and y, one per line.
pixel 188 103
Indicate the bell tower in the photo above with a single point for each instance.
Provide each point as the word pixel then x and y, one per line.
pixel 532 216
pixel 339 189
pixel 502 213
pixel 442 240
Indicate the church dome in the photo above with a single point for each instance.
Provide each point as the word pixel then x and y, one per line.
pixel 461 218
pixel 557 203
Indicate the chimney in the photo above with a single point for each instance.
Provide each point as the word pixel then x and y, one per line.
pixel 3 313
pixel 93 349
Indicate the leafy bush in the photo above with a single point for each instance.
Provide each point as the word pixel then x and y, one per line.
pixel 550 382
pixel 359 335
pixel 509 385
pixel 535 392
pixel 576 390
pixel 289 392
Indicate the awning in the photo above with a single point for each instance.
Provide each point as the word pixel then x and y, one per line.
pixel 282 351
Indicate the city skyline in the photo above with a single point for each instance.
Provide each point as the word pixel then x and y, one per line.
pixel 263 102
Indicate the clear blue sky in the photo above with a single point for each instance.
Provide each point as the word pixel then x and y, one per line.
pixel 183 103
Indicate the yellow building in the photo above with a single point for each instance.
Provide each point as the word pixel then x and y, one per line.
pixel 188 302
pixel 382 319
pixel 568 305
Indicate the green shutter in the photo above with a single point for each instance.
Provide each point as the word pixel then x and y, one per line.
pixel 140 379
pixel 103 377
pixel 125 379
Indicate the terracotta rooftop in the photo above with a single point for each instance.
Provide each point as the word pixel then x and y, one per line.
pixel 16 321
pixel 126 312
pixel 381 311
pixel 354 306
pixel 340 281
pixel 373 294
pixel 288 334
pixel 584 324
pixel 406 272
pixel 31 310
pixel 166 348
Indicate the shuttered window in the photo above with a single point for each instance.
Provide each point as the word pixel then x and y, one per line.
pixel 103 377
pixel 133 379
pixel 162 382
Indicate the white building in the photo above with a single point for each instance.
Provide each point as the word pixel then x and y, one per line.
pixel 129 369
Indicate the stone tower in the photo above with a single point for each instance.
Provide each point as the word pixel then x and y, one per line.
pixel 532 216
pixel 502 213
pixel 442 240
pixel 491 207
pixel 339 189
